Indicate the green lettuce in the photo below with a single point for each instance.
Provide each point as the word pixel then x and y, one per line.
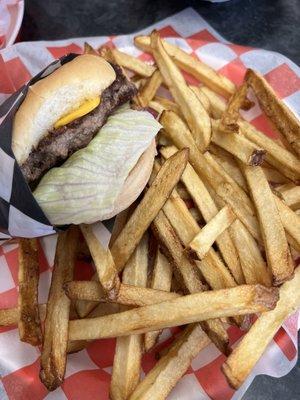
pixel 84 189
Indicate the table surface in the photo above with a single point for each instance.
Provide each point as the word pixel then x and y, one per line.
pixel 268 24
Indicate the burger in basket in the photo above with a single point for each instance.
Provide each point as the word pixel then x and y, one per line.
pixel 83 151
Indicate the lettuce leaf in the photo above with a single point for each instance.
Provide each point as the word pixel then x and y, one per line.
pixel 84 189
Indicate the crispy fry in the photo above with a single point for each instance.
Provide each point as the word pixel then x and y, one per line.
pixel 232 194
pixel 202 97
pixel 229 164
pixel 209 233
pixel 132 63
pixel 53 358
pixel 184 269
pixel 195 114
pixel 218 83
pixel 11 316
pixel 119 224
pixel 148 208
pixel 290 194
pixel 217 104
pixel 283 118
pixel 148 91
pixel 166 373
pixel 254 267
pixel 128 353
pixel 237 145
pixel 276 246
pixel 106 270
pixel 249 350
pixel 237 101
pixel 240 300
pixel 88 49
pixel 277 156
pixel 29 323
pixel 162 280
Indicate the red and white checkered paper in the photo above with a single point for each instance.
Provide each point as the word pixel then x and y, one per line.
pixel 88 372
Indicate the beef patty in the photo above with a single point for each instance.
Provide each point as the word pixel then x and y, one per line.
pixel 60 143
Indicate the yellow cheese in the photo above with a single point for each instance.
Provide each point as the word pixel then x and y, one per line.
pixel 82 110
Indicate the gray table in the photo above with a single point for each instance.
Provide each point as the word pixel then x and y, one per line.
pixel 269 24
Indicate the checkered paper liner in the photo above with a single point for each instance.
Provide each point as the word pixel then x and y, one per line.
pixel 88 372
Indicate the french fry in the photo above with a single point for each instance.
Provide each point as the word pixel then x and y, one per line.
pixel 169 369
pixel 280 158
pixel 148 208
pixel 290 194
pixel 249 350
pixel 283 118
pixel 53 357
pixel 106 270
pixel 133 64
pixel 229 164
pixel 232 194
pixel 184 269
pixel 290 221
pixel 119 224
pixel 273 175
pixel 208 209
pixel 128 353
pixel 204 240
pixel 148 91
pixel 202 97
pixel 11 316
pixel 237 101
pixel 168 104
pixel 128 295
pixel 156 106
pixel 195 114
pixel 29 323
pixel 88 49
pixel 107 54
pixel 276 246
pixel 240 300
pixel 207 75
pixel 162 280
pixel 237 145
pixel 254 267
pixel 217 104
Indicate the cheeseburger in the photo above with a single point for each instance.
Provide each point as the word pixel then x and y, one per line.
pixel 84 152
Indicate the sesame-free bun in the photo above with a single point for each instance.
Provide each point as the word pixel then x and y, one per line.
pixel 51 98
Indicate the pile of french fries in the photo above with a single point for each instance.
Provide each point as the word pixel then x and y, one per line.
pixel 209 243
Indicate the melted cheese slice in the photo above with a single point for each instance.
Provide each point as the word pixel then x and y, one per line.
pixel 82 110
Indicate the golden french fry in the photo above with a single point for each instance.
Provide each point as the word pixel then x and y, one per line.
pixel 192 65
pixel 249 350
pixel 276 246
pixel 148 208
pixel 254 267
pixel 237 101
pixel 132 63
pixel 232 194
pixel 128 294
pixel 204 240
pixel 229 164
pixel 29 323
pixel 106 270
pixel 149 89
pixel 290 194
pixel 240 300
pixel 169 369
pixel 283 118
pixel 202 97
pixel 184 269
pixel 161 280
pixel 88 49
pixel 237 145
pixel 217 104
pixel 280 158
pixel 53 357
pixel 195 114
pixel 128 354
pixel 119 224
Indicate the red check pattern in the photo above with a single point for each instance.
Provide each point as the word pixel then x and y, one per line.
pixel 88 372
